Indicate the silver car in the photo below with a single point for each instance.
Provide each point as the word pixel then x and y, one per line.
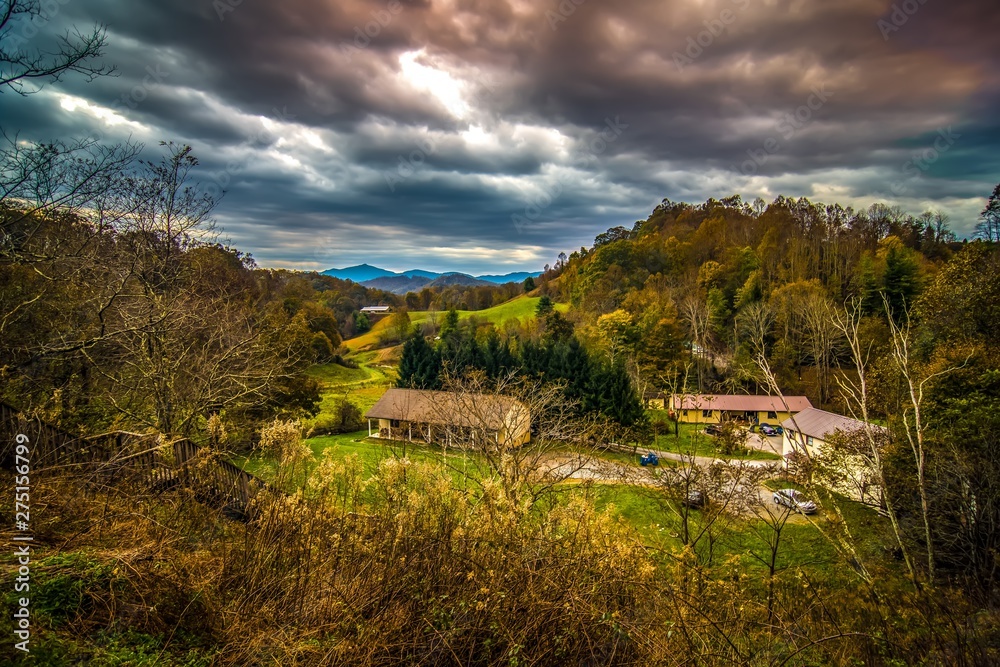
pixel 794 500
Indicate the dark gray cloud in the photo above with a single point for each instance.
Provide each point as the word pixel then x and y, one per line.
pixel 488 136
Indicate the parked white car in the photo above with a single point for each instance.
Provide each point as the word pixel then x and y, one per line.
pixel 794 500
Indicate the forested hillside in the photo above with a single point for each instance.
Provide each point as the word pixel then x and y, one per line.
pixel 714 277
pixel 121 307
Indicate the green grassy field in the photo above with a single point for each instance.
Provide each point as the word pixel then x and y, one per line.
pixel 655 518
pixel 692 439
pixel 521 308
pixel 657 522
pixel 362 386
pixel 370 452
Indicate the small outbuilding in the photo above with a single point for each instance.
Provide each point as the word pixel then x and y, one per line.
pixel 450 418
pixel 376 310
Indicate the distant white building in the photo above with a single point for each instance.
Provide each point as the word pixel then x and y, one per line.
pixel 377 310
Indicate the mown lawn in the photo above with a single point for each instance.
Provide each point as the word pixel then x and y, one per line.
pixel 646 509
pixel 370 451
pixel 361 386
pixel 692 439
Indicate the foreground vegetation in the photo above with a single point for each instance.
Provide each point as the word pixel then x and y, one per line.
pixel 479 575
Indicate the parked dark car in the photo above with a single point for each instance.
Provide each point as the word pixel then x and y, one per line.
pixel 695 499
pixel 649 459
pixel 794 500
pixel 768 430
pixel 712 429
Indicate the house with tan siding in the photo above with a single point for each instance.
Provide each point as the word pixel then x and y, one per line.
pixel 748 408
pixel 809 431
pixel 449 418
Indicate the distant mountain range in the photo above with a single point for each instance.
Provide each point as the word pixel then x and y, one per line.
pixel 416 279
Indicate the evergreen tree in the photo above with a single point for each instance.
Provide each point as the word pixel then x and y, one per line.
pixel 529 284
pixel 420 367
pixel 544 307
pixel 557 327
pixel 534 360
pixel 867 286
pixel 496 355
pixel 570 362
pixel 361 323
pixel 613 394
pixel 465 357
pixel 451 335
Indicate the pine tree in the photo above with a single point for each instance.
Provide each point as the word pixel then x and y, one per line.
pixel 611 392
pixel 420 367
pixel 497 358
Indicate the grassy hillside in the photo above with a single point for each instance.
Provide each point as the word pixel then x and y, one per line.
pixel 521 308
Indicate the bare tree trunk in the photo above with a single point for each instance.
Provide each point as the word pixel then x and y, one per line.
pixel 857 393
pixel 915 431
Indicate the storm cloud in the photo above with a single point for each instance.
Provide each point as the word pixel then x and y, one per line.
pixel 489 136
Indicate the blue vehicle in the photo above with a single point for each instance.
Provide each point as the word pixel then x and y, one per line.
pixel 649 459
pixel 768 429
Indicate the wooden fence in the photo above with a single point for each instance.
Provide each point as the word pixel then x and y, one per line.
pixel 116 458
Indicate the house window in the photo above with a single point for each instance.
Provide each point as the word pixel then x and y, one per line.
pixel 809 440
pixel 706 413
pixel 771 414
pixel 791 435
pixel 685 413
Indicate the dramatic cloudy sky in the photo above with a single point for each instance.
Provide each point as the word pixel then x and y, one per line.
pixel 488 135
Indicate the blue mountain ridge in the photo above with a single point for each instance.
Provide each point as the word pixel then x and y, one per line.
pixel 365 272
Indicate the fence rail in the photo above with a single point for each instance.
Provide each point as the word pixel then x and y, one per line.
pixel 145 459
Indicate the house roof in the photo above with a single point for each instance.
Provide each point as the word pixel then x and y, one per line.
pixel 820 423
pixel 740 403
pixel 445 407
pixel 375 309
